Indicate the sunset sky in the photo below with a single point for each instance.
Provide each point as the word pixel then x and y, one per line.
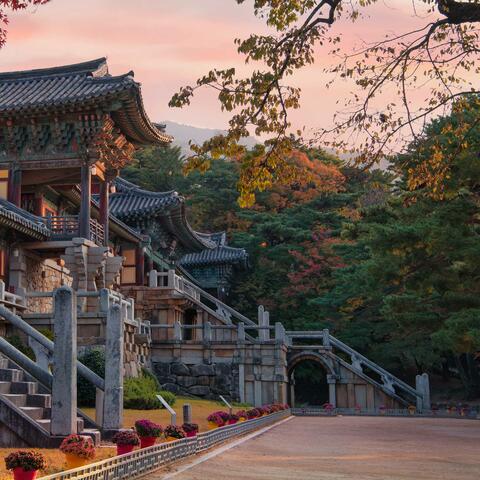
pixel 170 43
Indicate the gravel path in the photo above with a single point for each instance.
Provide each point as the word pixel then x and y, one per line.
pixel 354 448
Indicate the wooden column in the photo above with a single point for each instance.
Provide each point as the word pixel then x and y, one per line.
pixel 15 186
pixel 85 206
pixel 140 265
pixel 104 208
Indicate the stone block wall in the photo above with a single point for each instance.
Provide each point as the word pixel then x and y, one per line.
pixel 201 379
pixel 43 276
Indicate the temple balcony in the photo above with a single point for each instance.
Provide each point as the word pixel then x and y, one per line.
pixel 67 227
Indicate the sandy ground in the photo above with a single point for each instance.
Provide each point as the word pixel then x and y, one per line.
pixel 356 448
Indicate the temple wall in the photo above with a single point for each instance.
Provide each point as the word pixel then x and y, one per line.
pixel 43 276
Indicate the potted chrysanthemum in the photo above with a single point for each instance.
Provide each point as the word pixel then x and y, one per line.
pixel 172 433
pixel 78 450
pixel 148 432
pixel 24 464
pixel 126 441
pixel 214 421
pixel 232 419
pixel 242 415
pixel 190 429
pixel 253 413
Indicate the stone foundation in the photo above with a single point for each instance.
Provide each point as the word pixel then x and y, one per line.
pixel 200 380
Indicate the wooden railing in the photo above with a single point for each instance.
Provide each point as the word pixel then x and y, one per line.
pixel 66 227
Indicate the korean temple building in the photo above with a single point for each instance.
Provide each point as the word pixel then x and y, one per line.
pixel 65 134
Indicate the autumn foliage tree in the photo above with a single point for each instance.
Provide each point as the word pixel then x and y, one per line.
pixel 13 5
pixel 440 57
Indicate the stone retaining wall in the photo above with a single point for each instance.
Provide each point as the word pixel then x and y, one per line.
pixel 202 380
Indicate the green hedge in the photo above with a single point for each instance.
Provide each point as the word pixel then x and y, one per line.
pixel 95 361
pixel 141 393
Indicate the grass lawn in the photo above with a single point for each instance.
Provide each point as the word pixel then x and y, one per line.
pixel 55 459
pixel 200 411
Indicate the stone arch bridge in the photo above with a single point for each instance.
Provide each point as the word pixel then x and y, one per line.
pixel 201 346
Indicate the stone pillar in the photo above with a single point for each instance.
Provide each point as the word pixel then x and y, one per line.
pixel 241 381
pixel 85 205
pixel 187 413
pixel 64 386
pixel 113 411
pixel 104 208
pixel 422 384
pixel 153 279
pixel 332 390
pixel 177 331
pixel 279 333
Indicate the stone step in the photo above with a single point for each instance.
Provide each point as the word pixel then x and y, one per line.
pixel 93 434
pixel 43 400
pixel 19 400
pixel 45 423
pixel 36 413
pixel 11 375
pixel 5 387
pixel 24 387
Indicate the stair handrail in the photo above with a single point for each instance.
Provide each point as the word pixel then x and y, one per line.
pixel 218 302
pixel 22 325
pixel 372 365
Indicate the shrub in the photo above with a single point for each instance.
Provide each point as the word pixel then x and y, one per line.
pixel 174 431
pixel 78 445
pixel 126 437
pixel 95 361
pixel 190 427
pixel 141 393
pixel 27 460
pixel 147 428
pixel 18 343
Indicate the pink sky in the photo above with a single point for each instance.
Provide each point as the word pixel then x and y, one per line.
pixel 169 43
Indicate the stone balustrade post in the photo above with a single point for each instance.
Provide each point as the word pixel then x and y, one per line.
pixel 64 385
pixel 113 413
pixel 153 279
pixel 264 333
pixel 171 279
pixel 241 332
pixel 279 333
pixel 326 337
pixel 207 332
pixel 261 311
pixel 177 331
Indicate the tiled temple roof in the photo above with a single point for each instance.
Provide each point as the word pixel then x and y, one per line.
pixel 14 217
pixel 78 87
pixel 132 204
pixel 215 256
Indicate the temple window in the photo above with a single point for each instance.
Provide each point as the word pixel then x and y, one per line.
pixel 129 267
pixel 4 184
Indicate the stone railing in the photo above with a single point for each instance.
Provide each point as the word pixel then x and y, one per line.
pixel 10 300
pixel 473 413
pixel 147 460
pixel 358 362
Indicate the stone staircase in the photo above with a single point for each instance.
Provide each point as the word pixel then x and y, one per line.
pixel 25 410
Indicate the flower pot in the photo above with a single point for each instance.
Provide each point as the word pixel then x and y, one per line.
pixel 20 474
pixel 147 441
pixel 74 461
pixel 232 422
pixel 241 419
pixel 191 434
pixel 212 425
pixel 124 449
pixel 171 439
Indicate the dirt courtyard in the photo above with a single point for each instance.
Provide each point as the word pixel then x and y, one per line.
pixel 356 448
